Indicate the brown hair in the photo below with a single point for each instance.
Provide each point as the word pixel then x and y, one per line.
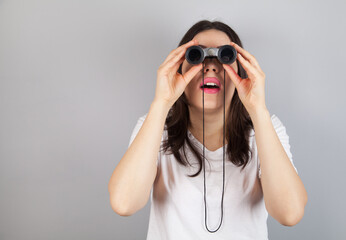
pixel 238 127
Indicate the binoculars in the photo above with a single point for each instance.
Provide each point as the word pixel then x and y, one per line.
pixel 226 54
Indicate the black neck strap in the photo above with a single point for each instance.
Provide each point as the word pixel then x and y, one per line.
pixel 223 186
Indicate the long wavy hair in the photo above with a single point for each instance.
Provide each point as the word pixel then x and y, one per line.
pixel 238 126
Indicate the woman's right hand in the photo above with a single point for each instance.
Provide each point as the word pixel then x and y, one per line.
pixel 170 84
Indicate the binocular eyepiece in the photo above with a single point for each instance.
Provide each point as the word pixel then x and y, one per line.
pixel 226 54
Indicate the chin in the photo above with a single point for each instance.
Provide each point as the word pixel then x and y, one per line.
pixel 208 106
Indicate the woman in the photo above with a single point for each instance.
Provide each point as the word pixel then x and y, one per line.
pixel 258 176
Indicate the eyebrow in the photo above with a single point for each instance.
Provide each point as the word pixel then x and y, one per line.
pixel 205 46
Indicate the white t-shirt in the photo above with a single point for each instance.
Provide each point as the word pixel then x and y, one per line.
pixel 177 201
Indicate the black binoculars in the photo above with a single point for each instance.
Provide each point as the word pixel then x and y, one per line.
pixel 226 54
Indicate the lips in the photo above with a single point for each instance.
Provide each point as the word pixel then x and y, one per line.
pixel 210 80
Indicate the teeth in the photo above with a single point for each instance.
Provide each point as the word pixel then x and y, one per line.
pixel 211 84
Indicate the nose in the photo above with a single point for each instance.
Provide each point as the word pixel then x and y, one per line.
pixel 211 64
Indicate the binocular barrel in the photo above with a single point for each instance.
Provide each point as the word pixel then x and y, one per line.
pixel 226 54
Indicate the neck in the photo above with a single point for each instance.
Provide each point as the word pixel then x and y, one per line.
pixel 213 124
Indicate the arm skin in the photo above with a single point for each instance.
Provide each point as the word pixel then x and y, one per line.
pixel 131 181
pixel 284 194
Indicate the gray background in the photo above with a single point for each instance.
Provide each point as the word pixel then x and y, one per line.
pixel 76 76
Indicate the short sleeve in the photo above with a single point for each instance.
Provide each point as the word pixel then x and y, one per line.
pixel 135 131
pixel 284 139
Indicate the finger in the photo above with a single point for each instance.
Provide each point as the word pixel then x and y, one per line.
pixel 174 63
pixel 177 65
pixel 192 72
pixel 178 58
pixel 188 44
pixel 250 69
pixel 249 57
pixel 236 79
pixel 180 49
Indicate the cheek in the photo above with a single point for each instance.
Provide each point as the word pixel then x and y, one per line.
pixel 188 89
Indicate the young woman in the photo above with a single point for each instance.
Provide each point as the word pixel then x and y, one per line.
pixel 186 127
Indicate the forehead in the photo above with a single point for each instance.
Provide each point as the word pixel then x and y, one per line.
pixel 212 38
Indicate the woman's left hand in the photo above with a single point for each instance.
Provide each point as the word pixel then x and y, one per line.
pixel 251 89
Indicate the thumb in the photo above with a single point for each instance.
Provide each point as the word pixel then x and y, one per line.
pixel 236 79
pixel 192 72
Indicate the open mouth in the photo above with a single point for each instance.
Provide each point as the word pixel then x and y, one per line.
pixel 210 90
pixel 210 85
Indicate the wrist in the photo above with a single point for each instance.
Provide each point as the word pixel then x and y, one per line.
pixel 164 106
pixel 259 112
